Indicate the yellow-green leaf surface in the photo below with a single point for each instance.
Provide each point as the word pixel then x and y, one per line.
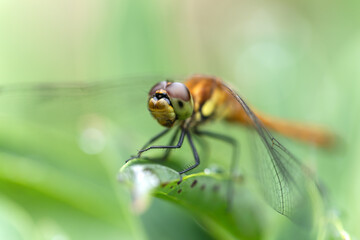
pixel 204 194
pixel 239 215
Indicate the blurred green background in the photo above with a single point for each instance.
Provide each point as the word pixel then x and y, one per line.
pixel 60 153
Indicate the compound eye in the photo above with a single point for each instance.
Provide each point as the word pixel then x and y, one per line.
pixel 181 100
pixel 158 86
pixel 178 91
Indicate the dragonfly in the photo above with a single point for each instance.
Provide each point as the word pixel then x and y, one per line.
pixel 201 99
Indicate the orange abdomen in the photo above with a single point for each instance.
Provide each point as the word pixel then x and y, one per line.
pixel 304 132
pixel 299 131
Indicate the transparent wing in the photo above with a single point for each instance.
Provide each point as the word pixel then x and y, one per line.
pixel 121 98
pixel 81 88
pixel 283 178
pixel 116 105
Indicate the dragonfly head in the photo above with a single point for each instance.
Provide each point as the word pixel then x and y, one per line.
pixel 170 101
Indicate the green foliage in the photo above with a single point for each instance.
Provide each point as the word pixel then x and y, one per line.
pixel 227 215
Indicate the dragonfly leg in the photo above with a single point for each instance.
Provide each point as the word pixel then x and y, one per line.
pixel 178 145
pixel 167 151
pixel 234 160
pixel 204 145
pixel 153 139
pixel 196 156
pixel 156 137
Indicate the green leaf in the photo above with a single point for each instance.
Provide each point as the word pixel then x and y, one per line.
pixel 206 195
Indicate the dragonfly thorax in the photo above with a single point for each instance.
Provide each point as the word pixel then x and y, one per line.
pixel 169 102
